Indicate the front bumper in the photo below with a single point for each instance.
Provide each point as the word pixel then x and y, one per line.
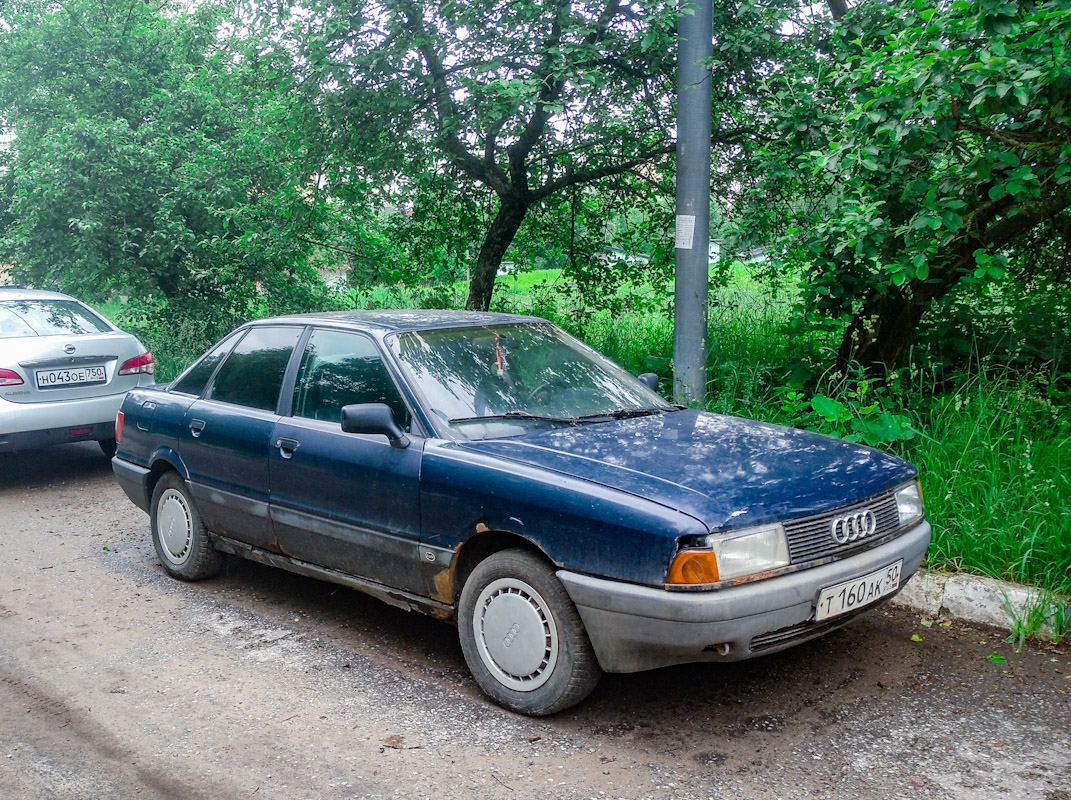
pixel 634 628
pixel 26 426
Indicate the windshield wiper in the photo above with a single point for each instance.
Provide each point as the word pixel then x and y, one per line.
pixel 512 416
pixel 624 413
pixel 602 416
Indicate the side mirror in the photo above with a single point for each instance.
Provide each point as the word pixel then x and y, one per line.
pixel 650 380
pixel 374 418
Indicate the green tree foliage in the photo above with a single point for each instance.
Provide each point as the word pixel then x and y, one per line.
pixel 193 155
pixel 148 159
pixel 927 148
pixel 525 99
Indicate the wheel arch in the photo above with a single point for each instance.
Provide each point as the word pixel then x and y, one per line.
pixel 163 462
pixel 485 543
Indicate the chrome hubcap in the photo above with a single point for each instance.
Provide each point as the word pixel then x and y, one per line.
pixel 175 526
pixel 515 634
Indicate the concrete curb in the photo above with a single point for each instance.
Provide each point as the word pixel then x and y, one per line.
pixel 986 601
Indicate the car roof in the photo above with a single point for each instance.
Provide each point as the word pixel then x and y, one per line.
pixel 20 293
pixel 395 320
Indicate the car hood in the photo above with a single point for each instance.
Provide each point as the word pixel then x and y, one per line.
pixel 725 471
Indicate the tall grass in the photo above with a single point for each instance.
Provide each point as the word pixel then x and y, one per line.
pixel 996 473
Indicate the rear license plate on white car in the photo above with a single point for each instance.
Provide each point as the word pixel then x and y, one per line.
pixel 861 591
pixel 71 376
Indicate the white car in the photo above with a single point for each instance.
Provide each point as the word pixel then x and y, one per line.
pixel 64 371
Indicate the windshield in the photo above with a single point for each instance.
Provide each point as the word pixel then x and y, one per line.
pixel 48 318
pixel 500 380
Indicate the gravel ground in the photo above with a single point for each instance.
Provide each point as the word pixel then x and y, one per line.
pixel 117 681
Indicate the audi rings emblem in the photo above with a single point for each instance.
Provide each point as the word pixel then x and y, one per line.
pixel 850 527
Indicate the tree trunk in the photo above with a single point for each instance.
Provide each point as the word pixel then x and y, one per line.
pixel 498 239
pixel 882 328
pixel 879 332
pixel 838 8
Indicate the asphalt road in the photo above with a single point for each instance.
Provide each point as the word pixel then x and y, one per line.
pixel 119 682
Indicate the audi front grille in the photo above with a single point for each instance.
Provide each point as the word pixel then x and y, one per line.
pixel 811 538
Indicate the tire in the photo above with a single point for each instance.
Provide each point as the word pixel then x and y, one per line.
pixel 522 637
pixel 107 446
pixel 178 534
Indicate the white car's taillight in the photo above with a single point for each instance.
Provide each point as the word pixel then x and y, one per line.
pixel 142 365
pixel 9 377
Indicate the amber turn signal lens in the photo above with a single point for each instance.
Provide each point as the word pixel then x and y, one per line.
pixel 694 567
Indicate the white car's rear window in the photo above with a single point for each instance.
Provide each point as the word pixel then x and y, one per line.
pixel 48 318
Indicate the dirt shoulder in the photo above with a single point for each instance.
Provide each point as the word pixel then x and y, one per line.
pixel 116 681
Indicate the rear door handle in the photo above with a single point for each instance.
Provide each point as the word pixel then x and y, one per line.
pixel 287 446
pixel 196 426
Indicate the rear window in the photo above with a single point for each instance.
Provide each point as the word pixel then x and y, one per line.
pixel 195 381
pixel 253 373
pixel 48 318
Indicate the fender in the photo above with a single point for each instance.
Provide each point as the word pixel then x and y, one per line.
pixel 169 456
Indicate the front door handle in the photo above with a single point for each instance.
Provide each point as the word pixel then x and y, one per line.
pixel 287 446
pixel 196 426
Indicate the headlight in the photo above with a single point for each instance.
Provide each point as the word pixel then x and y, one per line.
pixel 909 503
pixel 721 557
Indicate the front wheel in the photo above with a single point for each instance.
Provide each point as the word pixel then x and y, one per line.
pixel 178 533
pixel 522 637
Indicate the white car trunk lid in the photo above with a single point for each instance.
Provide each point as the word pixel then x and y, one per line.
pixel 66 367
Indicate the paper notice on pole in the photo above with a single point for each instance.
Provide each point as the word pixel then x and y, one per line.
pixel 685 231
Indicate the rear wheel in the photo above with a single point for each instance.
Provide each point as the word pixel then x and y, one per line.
pixel 522 637
pixel 107 446
pixel 178 534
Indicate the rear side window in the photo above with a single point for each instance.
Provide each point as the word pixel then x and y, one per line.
pixel 195 381
pixel 48 318
pixel 338 369
pixel 253 373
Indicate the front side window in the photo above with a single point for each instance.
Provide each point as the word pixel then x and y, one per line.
pixel 48 318
pixel 339 369
pixel 253 373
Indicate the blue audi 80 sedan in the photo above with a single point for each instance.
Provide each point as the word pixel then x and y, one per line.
pixel 491 470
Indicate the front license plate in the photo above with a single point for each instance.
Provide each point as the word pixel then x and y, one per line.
pixel 861 591
pixel 74 376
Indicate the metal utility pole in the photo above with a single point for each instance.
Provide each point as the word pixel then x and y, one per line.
pixel 692 274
